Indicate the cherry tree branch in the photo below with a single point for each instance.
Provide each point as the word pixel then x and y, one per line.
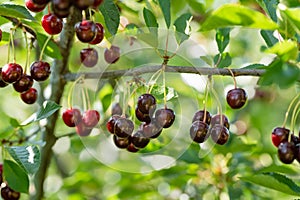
pixel 109 74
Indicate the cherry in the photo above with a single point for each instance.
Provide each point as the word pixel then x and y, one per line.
pixel 116 109
pixel 99 34
pixel 236 98
pixel 0 35
pixel 97 3
pixel 219 134
pixel 89 57
pixel 123 127
pixel 146 103
pixel 61 8
pixel 297 153
pixel 9 194
pixel 11 72
pixel 71 117
pixel 40 71
pixel 112 55
pixel 199 131
pixel 279 134
pixel 142 117
pixel 139 140
pixel 165 117
pixel 30 96
pixel 23 84
pixel 110 125
pixel 2 83
pixel 30 5
pixel 199 116
pixel 52 24
pixel 83 4
pixel 152 129
pixel 90 118
pixel 131 148
pixel 83 130
pixel 216 119
pixel 85 31
pixel 40 2
pixel 121 143
pixel 286 152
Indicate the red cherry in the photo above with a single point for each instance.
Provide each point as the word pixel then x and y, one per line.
pixel 23 84
pixel 279 134
pixel 2 83
pixel 112 55
pixel 11 72
pixel 40 2
pixel 40 70
pixel 52 24
pixel 89 57
pixel 30 5
pixel 85 30
pixel 0 35
pixel 99 34
pixel 83 130
pixel 30 96
pixel 71 117
pixel 90 118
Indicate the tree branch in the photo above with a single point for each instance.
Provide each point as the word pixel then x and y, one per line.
pixel 176 69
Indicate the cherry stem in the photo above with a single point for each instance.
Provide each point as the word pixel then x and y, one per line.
pixel 218 103
pixel 71 91
pixel 289 109
pixel 294 115
pixel 49 9
pixel 12 45
pixel 83 15
pixel 28 52
pixel 44 47
pixel 156 75
pixel 205 100
pixel 87 96
pixel 167 43
pixel 83 94
pixel 234 80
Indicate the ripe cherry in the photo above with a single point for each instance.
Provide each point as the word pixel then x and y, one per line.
pixel 112 55
pixel 99 34
pixel 286 152
pixel 61 8
pixel 131 148
pixel 121 143
pixel 116 109
pixel 279 134
pixel 165 117
pixel 139 140
pixel 199 131
pixel 52 24
pixel 90 118
pixel 40 2
pixel 216 119
pixel 83 4
pixel 23 84
pixel 146 103
pixel 199 116
pixel 89 57
pixel 142 117
pixel 30 96
pixel 30 5
pixel 40 71
pixel 219 134
pixel 71 117
pixel 9 194
pixel 152 129
pixel 11 72
pixel 83 130
pixel 123 127
pixel 2 83
pixel 85 31
pixel 110 125
pixel 236 98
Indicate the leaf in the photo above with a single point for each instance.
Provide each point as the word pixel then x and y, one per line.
pixel 222 60
pixel 158 92
pixel 28 157
pixel 270 7
pixel 255 66
pixel 286 50
pixel 165 6
pixel 51 50
pixel 230 15
pixel 111 15
pixel 16 177
pixel 181 25
pixel 149 18
pixel 293 16
pixel 269 37
pixel 15 11
pixel 49 107
pixel 196 6
pixel 222 38
pixel 14 123
pixel 274 181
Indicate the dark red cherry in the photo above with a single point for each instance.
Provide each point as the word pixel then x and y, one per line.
pixel 279 134
pixel 131 148
pixel 121 143
pixel 216 119
pixel 112 55
pixel 146 103
pixel 40 71
pixel 165 117
pixel 90 118
pixel 11 72
pixel 61 8
pixel 83 130
pixel 2 83
pixel 89 57
pixel 23 84
pixel 99 34
pixel 83 4
pixel 142 117
pixel 110 125
pixel 9 194
pixel 40 2
pixel 139 140
pixel 97 3
pixel 286 152
pixel 236 98
pixel 30 5
pixel 152 129
pixel 116 109
pixel 199 131
pixel 52 24
pixel 297 153
pixel 85 31
pixel 199 116
pixel 30 96
pixel 219 134
pixel 71 117
pixel 123 127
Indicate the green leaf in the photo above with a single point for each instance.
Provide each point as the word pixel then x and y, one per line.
pixel 48 108
pixel 274 181
pixel 255 66
pixel 14 123
pixel 222 60
pixel 111 15
pixel 158 92
pixel 286 50
pixel 15 11
pixel 51 50
pixel 149 18
pixel 222 38
pixel 165 6
pixel 196 6
pixel 293 16
pixel 15 176
pixel 230 15
pixel 28 157
pixel 269 37
pixel 270 7
pixel 181 24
